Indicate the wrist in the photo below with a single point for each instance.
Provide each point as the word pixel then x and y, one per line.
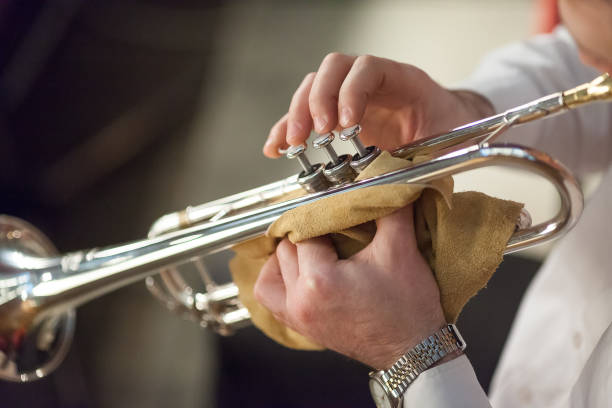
pixel 386 358
pixel 388 386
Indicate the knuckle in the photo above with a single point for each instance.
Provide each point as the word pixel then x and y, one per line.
pixel 318 286
pixel 351 95
pixel 302 312
pixel 333 57
pixel 319 101
pixel 366 61
pixel 394 66
pixel 306 309
pixel 411 70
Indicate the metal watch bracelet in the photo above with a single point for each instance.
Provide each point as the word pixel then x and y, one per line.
pixel 420 358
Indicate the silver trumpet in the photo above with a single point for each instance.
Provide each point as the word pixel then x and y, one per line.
pixel 40 289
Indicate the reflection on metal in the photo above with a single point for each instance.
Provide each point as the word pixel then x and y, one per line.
pixel 39 290
pixel 600 89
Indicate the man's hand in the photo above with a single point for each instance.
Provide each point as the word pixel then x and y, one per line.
pixel 382 301
pixel 372 307
pixel 394 103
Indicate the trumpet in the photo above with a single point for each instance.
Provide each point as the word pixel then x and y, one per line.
pixel 40 289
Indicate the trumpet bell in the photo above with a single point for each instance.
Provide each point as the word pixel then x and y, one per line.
pixel 32 342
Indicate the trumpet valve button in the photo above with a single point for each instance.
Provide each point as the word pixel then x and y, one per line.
pixel 351 134
pixel 297 152
pixel 294 151
pixel 324 142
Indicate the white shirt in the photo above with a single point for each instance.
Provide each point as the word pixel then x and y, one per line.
pixel 559 353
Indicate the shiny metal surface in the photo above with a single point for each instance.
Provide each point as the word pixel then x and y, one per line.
pixel 546 106
pixel 364 155
pixel 220 208
pixel 39 290
pixel 341 172
pixel 600 89
pixel 338 170
pixel 360 163
pixel 315 181
pixel 31 345
pixel 407 368
pixel 46 287
pixel 324 142
pixel 352 135
pixel 297 152
pixel 312 177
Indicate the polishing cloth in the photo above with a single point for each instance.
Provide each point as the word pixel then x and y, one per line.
pixel 461 235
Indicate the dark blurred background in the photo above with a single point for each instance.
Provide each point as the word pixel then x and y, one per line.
pixel 115 112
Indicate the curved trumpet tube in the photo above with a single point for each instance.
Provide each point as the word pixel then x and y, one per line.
pixel 40 289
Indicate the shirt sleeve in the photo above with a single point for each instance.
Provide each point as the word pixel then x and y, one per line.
pixel 528 70
pixel 453 384
pixel 595 381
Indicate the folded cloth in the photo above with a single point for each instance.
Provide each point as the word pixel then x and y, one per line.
pixel 461 235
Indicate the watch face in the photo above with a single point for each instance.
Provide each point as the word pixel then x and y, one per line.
pixel 379 395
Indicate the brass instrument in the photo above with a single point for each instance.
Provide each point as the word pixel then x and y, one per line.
pixel 40 289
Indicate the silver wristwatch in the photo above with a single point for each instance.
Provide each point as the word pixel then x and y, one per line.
pixel 388 386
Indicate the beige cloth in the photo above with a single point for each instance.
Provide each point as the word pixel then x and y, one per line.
pixel 462 236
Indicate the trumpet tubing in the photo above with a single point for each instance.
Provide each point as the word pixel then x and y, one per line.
pixel 40 289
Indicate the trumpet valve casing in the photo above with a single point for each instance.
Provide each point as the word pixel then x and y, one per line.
pixel 364 155
pixel 338 170
pixel 311 178
pixel 315 180
pixel 340 173
pixel 359 163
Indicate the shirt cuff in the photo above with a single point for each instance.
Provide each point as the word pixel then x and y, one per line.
pixel 453 384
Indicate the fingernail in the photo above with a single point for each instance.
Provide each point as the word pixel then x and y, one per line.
pixel 320 123
pixel 345 116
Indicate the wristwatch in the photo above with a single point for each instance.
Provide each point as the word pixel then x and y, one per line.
pixel 388 386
